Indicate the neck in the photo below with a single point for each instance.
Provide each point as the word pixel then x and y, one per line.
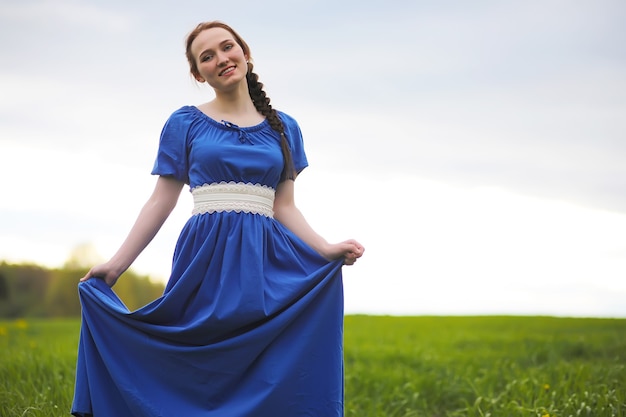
pixel 235 106
pixel 230 105
pixel 236 100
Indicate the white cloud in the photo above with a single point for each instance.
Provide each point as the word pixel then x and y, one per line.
pixel 435 248
pixel 512 111
pixel 87 16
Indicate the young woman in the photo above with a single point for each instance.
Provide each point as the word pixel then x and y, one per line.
pixel 251 320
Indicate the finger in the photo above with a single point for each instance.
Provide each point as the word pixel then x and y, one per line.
pixel 358 249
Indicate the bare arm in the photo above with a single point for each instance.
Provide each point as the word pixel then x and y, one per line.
pixel 150 219
pixel 286 212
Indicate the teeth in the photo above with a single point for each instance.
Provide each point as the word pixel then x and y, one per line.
pixel 227 70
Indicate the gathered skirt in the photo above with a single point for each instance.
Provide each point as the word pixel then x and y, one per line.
pixel 250 325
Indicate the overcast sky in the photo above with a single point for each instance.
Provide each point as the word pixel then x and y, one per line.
pixel 477 149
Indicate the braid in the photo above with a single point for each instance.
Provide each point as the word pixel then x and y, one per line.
pixel 259 98
pixel 262 103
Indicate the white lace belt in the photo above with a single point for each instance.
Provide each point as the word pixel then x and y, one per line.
pixel 231 196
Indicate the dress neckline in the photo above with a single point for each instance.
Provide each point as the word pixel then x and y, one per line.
pixel 226 124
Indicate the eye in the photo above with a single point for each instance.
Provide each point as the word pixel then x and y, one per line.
pixel 205 58
pixel 228 47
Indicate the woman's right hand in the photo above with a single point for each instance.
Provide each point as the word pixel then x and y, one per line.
pixel 104 271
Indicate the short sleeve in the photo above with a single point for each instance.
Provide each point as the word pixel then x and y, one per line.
pixel 296 142
pixel 172 156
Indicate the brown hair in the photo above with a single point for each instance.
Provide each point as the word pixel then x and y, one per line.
pixel 255 88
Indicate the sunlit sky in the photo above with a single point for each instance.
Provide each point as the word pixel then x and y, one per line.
pixel 477 149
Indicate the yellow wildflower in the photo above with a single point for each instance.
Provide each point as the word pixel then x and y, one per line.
pixel 3 331
pixel 21 324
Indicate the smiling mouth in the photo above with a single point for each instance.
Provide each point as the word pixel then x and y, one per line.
pixel 227 71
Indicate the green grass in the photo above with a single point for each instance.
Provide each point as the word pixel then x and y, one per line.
pixel 37 366
pixel 484 366
pixel 395 367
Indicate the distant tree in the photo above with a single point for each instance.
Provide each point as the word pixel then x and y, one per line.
pixel 4 288
pixel 136 291
pixel 27 285
pixel 30 290
pixel 62 296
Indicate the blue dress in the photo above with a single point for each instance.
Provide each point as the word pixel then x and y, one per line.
pixel 251 320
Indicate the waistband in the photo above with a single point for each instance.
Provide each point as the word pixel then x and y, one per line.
pixel 232 196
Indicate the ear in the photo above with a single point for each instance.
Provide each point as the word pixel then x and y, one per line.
pixel 197 77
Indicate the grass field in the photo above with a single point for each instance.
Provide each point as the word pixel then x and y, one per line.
pixel 395 366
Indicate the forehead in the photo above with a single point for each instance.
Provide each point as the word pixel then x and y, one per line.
pixel 210 39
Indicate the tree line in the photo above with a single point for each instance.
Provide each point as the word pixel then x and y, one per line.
pixel 28 290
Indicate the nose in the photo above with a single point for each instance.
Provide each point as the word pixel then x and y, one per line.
pixel 222 59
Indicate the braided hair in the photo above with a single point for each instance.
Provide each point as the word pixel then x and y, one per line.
pixel 259 98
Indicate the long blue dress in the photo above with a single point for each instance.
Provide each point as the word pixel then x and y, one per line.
pixel 251 320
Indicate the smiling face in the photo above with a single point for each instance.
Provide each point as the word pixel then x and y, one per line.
pixel 218 58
